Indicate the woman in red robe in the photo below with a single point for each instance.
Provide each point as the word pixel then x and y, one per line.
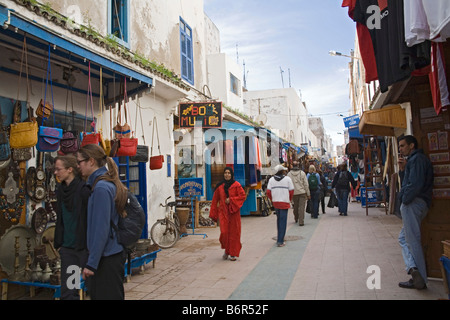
pixel 225 207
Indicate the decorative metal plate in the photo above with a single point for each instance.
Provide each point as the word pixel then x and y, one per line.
pixel 39 220
pixel 7 248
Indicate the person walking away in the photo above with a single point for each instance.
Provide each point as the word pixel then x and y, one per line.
pixel 416 174
pixel 301 192
pixel 226 204
pixel 341 182
pixel 70 228
pixel 323 190
pixel 280 191
pixel 105 267
pixel 314 187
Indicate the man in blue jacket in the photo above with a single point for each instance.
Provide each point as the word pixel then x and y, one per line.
pixel 416 173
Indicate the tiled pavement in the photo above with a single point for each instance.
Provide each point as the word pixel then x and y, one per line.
pixel 327 259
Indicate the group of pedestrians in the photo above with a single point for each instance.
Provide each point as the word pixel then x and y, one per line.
pixel 297 188
pixel 90 198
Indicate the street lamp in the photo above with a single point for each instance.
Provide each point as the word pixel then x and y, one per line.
pixel 335 53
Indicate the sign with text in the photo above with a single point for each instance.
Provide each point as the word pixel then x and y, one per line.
pixel 191 187
pixel 209 114
pixel 351 121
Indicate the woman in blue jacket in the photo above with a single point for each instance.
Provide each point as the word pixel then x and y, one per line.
pixel 106 260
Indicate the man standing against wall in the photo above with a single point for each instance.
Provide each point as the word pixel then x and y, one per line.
pixel 416 173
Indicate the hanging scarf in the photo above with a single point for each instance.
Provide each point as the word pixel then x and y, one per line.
pixel 68 193
pixel 227 183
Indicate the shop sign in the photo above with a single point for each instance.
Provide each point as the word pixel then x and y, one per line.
pixel 351 121
pixel 191 187
pixel 208 114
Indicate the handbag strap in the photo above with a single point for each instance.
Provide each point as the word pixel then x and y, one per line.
pixel 49 73
pixel 24 57
pixel 155 126
pixel 138 107
pixel 89 94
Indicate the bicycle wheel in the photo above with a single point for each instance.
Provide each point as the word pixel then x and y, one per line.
pixel 164 233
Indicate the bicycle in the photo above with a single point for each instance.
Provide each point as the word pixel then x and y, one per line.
pixel 165 232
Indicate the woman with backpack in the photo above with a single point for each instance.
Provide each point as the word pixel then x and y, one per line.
pixel 315 188
pixel 342 182
pixel 105 268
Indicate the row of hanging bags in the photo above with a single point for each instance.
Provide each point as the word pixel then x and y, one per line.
pixel 23 135
pixel 124 140
pixel 49 138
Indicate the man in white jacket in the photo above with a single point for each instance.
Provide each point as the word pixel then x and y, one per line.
pixel 301 192
pixel 280 190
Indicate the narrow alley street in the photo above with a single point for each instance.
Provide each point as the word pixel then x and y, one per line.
pixel 327 259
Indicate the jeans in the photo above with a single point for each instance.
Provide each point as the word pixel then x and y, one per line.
pixel 281 224
pixel 315 199
pixel 342 196
pixel 409 237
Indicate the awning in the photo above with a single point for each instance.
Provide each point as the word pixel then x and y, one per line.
pixel 383 122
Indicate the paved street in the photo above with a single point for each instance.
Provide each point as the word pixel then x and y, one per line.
pixel 327 259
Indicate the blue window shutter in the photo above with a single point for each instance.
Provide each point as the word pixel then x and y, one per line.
pixel 118 20
pixel 187 62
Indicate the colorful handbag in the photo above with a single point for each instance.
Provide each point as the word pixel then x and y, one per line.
pixel 156 162
pixel 94 137
pixel 127 147
pixel 44 111
pixel 49 138
pixel 23 134
pixel 70 142
pixel 123 130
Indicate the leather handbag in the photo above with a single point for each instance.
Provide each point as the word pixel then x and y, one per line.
pixel 70 142
pixel 22 154
pixel 44 111
pixel 5 150
pixel 49 138
pixel 142 152
pixel 127 147
pixel 156 162
pixel 23 134
pixel 123 130
pixel 90 137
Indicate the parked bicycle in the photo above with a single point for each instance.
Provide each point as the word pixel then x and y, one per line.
pixel 165 232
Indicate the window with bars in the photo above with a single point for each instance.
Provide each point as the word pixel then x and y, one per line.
pixel 187 62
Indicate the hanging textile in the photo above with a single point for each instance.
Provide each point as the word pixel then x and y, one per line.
pixel 426 20
pixel 438 78
pixel 394 59
pixel 365 44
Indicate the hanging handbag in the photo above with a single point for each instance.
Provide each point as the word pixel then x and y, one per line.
pixel 142 150
pixel 44 110
pixel 127 147
pixel 156 162
pixel 23 134
pixel 49 138
pixel 93 137
pixel 22 154
pixel 5 150
pixel 70 142
pixel 123 130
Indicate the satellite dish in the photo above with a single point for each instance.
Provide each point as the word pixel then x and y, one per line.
pixel 261 119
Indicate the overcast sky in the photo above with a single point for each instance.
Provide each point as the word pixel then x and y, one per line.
pixel 295 35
